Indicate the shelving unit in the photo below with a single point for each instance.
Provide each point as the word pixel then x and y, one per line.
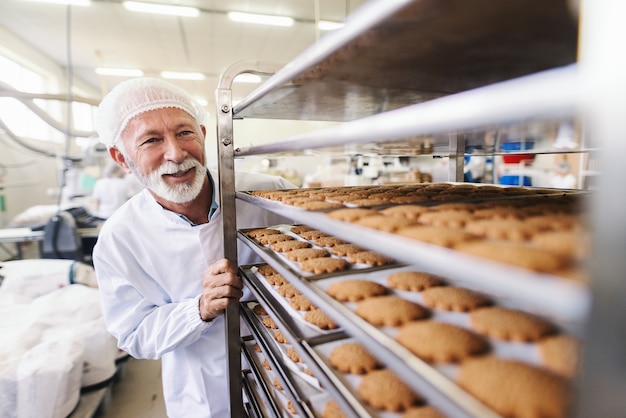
pixel 419 71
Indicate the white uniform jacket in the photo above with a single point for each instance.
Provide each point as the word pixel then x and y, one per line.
pixel 149 262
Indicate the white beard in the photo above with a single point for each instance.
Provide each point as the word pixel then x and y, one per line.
pixel 179 193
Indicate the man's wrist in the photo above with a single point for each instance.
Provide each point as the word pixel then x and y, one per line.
pixel 200 311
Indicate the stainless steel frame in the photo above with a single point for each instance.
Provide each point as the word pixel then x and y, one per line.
pixel 590 87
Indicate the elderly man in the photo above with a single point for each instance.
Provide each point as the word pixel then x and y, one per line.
pixel 158 259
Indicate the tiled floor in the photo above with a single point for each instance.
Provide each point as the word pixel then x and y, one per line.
pixel 138 393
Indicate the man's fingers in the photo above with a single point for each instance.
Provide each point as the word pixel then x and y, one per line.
pixel 221 266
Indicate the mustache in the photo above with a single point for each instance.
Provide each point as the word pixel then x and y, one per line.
pixel 170 167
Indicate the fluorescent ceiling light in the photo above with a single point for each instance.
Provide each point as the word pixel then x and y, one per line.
pixel 181 75
pixel 64 2
pixel 120 72
pixel 247 78
pixel 162 9
pixel 260 19
pixel 328 25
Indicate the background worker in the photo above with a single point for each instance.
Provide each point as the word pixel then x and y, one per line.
pixel 109 192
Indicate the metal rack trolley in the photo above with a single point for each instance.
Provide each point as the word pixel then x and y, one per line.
pixel 567 68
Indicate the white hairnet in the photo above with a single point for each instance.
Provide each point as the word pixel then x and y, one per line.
pixel 135 96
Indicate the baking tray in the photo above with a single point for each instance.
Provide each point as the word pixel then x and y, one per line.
pixel 381 342
pixel 304 394
pixel 281 259
pixel 552 295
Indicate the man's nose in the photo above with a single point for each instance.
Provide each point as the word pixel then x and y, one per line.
pixel 174 151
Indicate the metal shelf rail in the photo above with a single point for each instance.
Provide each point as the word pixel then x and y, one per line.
pixel 592 89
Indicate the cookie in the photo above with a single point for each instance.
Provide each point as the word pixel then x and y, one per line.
pixel 371 258
pixel 568 244
pixel 382 389
pixel 560 222
pixel 324 265
pixel 447 219
pixel 301 303
pixel 427 411
pixel 390 310
pixel 343 198
pixel 286 246
pixel 261 232
pixel 414 281
pixel 383 223
pixel 353 358
pixel 280 337
pixel 498 212
pixel 269 323
pixel 368 202
pixel 266 270
pixel 560 353
pixel 505 229
pixel 444 237
pixel 313 234
pixel 276 279
pixel 266 364
pixel 298 229
pixel 513 388
pixel 303 254
pixel 440 342
pixel 402 200
pixel 514 254
pixel 354 290
pixel 318 205
pixel 259 310
pixel 332 410
pixel 350 214
pixel 463 188
pixel 437 187
pixel 277 384
pixel 447 197
pixel 329 241
pixel 293 355
pixel 509 324
pixel 384 195
pixel 462 207
pixel 262 193
pixel 288 290
pixel 272 239
pixel 410 212
pixel 296 200
pixel 452 298
pixel 345 249
pixel 319 319
pixel 291 408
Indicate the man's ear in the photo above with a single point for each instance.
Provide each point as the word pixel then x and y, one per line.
pixel 119 158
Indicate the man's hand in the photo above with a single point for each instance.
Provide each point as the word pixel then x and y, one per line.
pixel 221 286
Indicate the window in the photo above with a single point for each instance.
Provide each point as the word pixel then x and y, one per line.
pixel 24 122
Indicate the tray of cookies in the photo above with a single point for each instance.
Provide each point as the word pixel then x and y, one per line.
pixel 464 335
pixel 328 198
pixel 312 253
pixel 287 398
pixel 528 246
pixel 304 318
pixel 364 376
pixel 279 339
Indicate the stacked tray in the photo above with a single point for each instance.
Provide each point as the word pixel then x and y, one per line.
pixel 381 340
pixel 472 253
